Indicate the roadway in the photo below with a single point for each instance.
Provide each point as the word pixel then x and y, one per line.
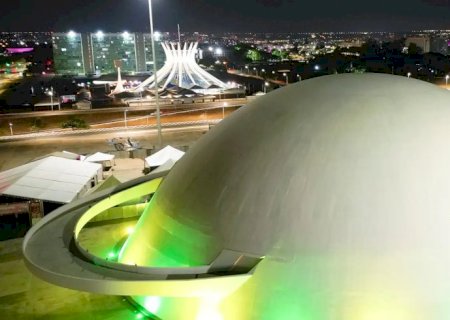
pixel 146 106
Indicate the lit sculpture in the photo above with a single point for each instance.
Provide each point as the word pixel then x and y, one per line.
pixel 182 70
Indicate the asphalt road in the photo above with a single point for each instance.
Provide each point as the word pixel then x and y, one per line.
pixel 149 107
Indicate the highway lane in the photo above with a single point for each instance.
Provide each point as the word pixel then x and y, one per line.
pixel 145 107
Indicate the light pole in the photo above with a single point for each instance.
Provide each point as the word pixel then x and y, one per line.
pixel 223 109
pixel 409 75
pixel 51 97
pixel 286 76
pixel 266 84
pixel 256 71
pixel 11 128
pixel 299 77
pixel 446 80
pixel 246 69
pixel 125 118
pixel 158 117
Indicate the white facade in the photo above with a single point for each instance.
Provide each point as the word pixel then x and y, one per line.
pixel 181 69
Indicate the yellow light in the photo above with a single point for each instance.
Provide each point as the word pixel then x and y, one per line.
pixel 209 309
pixel 129 230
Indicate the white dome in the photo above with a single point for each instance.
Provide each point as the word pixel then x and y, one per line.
pixel 341 182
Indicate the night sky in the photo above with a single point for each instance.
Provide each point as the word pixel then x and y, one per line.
pixel 225 15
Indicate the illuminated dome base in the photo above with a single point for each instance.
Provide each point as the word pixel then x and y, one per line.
pixel 341 183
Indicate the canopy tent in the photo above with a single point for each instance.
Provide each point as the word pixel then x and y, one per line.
pixel 100 157
pixel 164 155
pixel 166 166
pixel 52 179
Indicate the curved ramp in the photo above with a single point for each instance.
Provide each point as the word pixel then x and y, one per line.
pixel 52 254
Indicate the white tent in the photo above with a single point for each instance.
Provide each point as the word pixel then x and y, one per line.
pixel 100 157
pixel 52 179
pixel 164 155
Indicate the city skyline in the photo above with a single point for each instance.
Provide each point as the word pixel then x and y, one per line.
pixel 231 15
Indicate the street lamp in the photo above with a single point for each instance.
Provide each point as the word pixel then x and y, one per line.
pixel 256 71
pixel 286 76
pixel 51 97
pixel 446 80
pixel 223 109
pixel 246 67
pixel 409 75
pixel 158 117
pixel 11 128
pixel 125 118
pixel 299 77
pixel 266 84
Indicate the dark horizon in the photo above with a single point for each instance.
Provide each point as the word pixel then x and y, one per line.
pixel 215 16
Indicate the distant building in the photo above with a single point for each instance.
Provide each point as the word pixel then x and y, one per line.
pixel 439 45
pixel 421 42
pixel 95 53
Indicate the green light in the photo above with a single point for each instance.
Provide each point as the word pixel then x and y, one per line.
pixel 111 255
pixel 139 316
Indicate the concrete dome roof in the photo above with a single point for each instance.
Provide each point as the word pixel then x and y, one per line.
pixel 341 182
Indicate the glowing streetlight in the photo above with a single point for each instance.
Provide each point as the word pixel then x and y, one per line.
pixel 409 75
pixel 100 34
pixel 246 68
pixel 299 77
pixel 256 71
pixel 223 109
pixel 211 49
pixel 51 97
pixel 71 34
pixel 152 34
pixel 125 118
pixel 125 35
pixel 219 51
pixel 286 76
pixel 11 128
pixel 266 84
pixel 446 80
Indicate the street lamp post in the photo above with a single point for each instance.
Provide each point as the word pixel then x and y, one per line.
pixel 11 128
pixel 125 118
pixel 286 76
pixel 299 77
pixel 446 80
pixel 246 69
pixel 266 84
pixel 223 109
pixel 51 97
pixel 158 117
pixel 256 71
pixel 409 75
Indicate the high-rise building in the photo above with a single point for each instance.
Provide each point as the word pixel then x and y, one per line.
pixel 107 47
pixel 68 53
pixel 422 42
pixel 88 53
